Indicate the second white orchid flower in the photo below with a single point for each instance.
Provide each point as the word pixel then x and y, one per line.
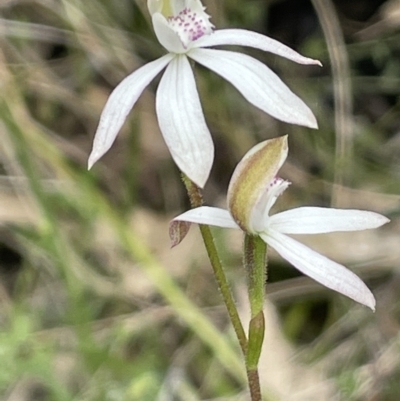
pixel 252 192
pixel 184 30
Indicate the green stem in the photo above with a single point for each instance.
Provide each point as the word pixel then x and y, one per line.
pixel 255 263
pixel 196 200
pixel 256 339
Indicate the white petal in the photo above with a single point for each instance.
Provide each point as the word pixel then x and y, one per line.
pixel 321 269
pixel 182 122
pixel 154 6
pixel 166 35
pixel 258 84
pixel 241 37
pixel 314 220
pixel 208 215
pixel 119 104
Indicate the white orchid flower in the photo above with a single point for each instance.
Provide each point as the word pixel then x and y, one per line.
pixel 184 30
pixel 252 192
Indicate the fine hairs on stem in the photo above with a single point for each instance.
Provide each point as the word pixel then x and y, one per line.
pixel 255 265
pixel 196 200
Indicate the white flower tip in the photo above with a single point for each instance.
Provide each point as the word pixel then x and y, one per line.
pixel 372 307
pixel 313 122
pixel 200 181
pixel 362 294
pixel 199 176
pixel 307 61
pixel 370 301
pixel 304 116
pixel 307 118
pixel 383 220
pixel 373 220
pixel 93 158
pixel 195 166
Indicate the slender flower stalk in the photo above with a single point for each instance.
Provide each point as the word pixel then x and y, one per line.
pixel 253 190
pixel 183 28
pixel 255 263
pixel 196 200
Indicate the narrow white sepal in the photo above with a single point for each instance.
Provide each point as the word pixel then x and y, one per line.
pixel 182 122
pixel 212 216
pixel 320 268
pixel 258 84
pixel 316 220
pixel 120 103
pixel 242 37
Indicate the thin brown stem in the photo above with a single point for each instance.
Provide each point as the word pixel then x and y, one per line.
pixel 254 385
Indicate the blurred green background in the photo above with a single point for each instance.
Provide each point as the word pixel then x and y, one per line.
pixel 94 305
